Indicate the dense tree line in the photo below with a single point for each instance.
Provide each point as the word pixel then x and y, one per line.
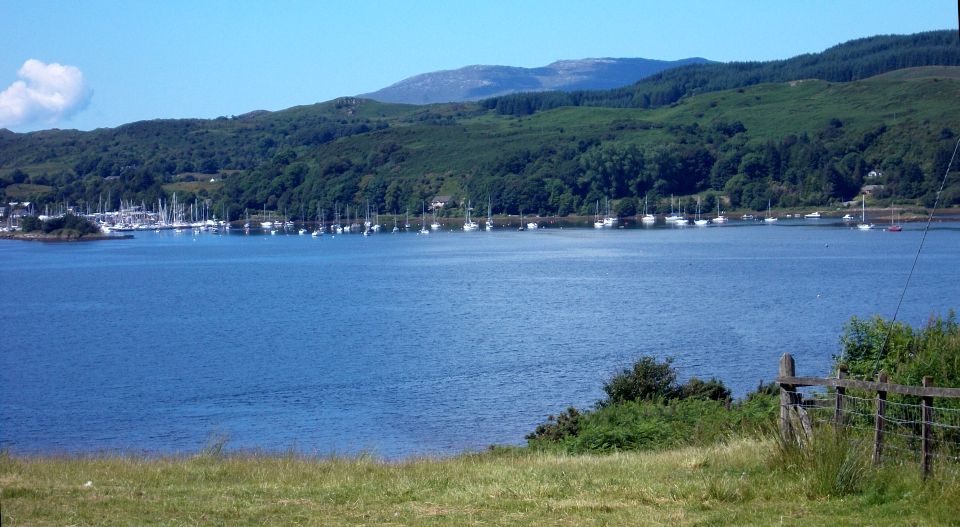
pixel 132 162
pixel 717 162
pixel 854 60
pixel 67 222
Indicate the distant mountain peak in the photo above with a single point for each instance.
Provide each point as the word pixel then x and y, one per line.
pixel 479 81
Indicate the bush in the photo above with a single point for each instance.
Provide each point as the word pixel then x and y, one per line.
pixel 646 409
pixel 906 355
pixel 646 380
pixel 557 428
pixel 713 390
pixel 651 425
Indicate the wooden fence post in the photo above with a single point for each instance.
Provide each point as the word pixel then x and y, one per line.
pixel 879 421
pixel 926 431
pixel 841 391
pixel 787 369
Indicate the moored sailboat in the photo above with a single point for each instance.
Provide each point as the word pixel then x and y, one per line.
pixel 489 225
pixel 423 220
pixel 597 221
pixel 863 225
pixel 647 219
pixel 894 227
pixel 609 220
pixel 769 218
pixel 468 224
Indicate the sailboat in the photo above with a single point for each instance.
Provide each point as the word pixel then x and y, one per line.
pixel 318 231
pixel 265 225
pixel 597 221
pixel 435 226
pixel 894 227
pixel 681 217
pixel 423 219
pixel 366 221
pixel 700 222
pixel 648 219
pixel 720 217
pixel 863 225
pixel 336 228
pixel 489 225
pixel 769 218
pixel 609 220
pixel 468 224
pixel 674 217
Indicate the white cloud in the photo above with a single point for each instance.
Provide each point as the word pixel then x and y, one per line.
pixel 46 94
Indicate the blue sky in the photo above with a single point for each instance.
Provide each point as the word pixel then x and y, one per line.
pixel 100 63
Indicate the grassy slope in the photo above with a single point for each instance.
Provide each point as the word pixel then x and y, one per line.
pixel 723 485
pixel 909 103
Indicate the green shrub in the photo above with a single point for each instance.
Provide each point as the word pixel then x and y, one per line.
pixel 906 355
pixel 556 428
pixel 646 409
pixel 652 425
pixel 646 380
pixel 713 390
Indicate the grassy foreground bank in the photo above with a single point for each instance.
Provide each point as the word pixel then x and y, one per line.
pixel 738 483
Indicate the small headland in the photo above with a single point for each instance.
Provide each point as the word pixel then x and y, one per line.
pixel 61 236
pixel 66 228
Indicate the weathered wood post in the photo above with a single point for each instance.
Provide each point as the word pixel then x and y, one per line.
pixel 787 369
pixel 926 430
pixel 838 407
pixel 879 421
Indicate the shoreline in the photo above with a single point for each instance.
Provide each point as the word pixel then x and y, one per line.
pixel 40 237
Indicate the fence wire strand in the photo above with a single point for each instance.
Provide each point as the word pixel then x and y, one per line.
pixel 902 423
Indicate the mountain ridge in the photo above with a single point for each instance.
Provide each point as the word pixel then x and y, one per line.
pixel 480 81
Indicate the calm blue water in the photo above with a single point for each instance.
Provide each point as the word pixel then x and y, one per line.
pixel 404 345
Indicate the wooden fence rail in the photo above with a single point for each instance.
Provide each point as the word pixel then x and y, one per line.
pixel 792 414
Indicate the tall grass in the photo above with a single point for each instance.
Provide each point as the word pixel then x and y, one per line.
pixel 740 482
pixel 831 463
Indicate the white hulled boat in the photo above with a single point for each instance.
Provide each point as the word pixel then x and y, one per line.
pixel 468 224
pixel 863 225
pixel 648 219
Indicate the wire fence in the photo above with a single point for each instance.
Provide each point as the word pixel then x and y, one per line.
pixel 902 423
pixel 907 426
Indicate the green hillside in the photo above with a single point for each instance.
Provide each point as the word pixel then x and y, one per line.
pixel 808 142
pixel 801 142
pixel 850 61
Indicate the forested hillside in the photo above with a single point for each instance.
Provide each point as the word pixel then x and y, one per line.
pixel 795 142
pixel 850 61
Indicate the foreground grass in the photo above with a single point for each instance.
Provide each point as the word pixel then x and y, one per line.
pixel 732 484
